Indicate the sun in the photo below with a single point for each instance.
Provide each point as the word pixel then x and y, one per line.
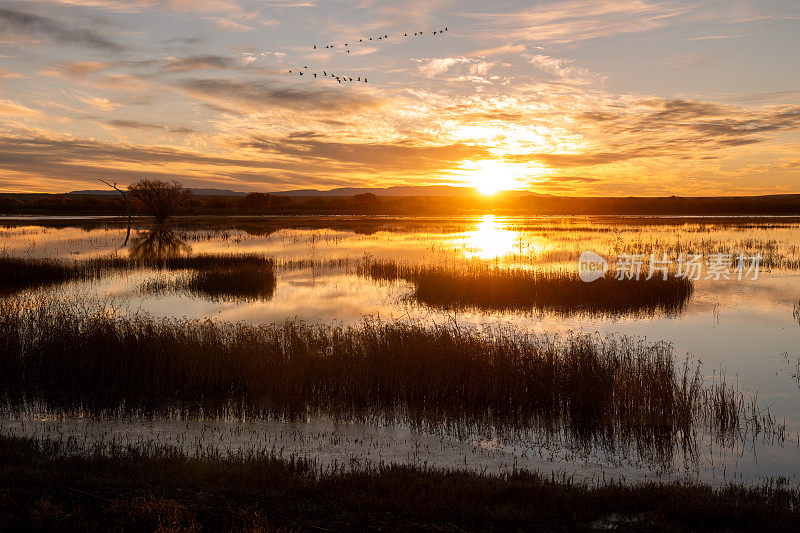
pixel 490 177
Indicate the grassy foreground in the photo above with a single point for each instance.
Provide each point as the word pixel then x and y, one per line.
pixel 45 488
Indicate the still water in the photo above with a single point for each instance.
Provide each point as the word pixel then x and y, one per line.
pixel 748 330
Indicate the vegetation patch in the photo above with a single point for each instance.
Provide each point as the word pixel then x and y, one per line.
pixel 46 487
pixel 481 286
pixel 613 393
pixel 235 276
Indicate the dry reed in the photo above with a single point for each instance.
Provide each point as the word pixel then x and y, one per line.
pixel 482 286
pixel 250 276
pixel 599 391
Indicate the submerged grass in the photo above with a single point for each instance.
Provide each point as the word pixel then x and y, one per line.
pixel 600 392
pixel 481 286
pixel 45 486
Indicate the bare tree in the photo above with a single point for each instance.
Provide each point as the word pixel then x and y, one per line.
pixel 160 198
pixel 124 194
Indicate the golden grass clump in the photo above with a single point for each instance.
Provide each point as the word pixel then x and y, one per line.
pixel 482 286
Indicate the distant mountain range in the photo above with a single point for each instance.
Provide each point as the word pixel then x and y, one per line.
pixel 197 192
pixel 409 190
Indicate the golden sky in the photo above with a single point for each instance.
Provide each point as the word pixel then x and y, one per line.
pixel 572 97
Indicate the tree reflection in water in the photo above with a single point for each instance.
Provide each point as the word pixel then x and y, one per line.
pixel 157 244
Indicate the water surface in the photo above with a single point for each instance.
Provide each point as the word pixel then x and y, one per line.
pixel 747 330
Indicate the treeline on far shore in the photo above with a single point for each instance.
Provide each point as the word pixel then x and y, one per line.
pixel 369 204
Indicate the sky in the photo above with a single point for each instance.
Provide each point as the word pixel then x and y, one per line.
pixel 571 97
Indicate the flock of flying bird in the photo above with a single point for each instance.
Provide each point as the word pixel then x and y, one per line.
pixel 340 79
pixel 304 70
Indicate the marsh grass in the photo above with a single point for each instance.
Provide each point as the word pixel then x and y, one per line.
pixel 47 486
pixel 600 392
pixel 237 283
pixel 18 273
pixel 233 276
pixel 485 287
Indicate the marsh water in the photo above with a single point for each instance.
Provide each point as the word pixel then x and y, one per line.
pixel 745 329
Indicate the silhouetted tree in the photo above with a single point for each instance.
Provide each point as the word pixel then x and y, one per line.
pixel 257 201
pixel 366 200
pixel 160 198
pixel 9 204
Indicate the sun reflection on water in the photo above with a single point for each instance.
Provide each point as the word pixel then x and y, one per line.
pixel 490 240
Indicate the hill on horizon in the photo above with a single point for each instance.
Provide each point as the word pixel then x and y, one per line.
pixel 406 190
pixel 402 190
pixel 196 192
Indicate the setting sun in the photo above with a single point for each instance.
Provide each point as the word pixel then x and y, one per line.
pixel 490 177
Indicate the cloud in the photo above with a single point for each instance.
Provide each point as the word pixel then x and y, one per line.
pixel 503 50
pixel 19 22
pixel 381 15
pixel 12 109
pixel 697 121
pixel 571 179
pixel 135 124
pixel 716 37
pixel 392 156
pixel 78 69
pixel 293 160
pixel 230 7
pixel 231 25
pixel 5 75
pixel 767 96
pixel 430 67
pixel 98 102
pixel 665 128
pixel 194 63
pixel 556 160
pixel 255 96
pixel 578 20
pixel 560 67
pixel 69 161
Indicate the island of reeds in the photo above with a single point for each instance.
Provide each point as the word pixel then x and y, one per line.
pixel 217 276
pixel 486 287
